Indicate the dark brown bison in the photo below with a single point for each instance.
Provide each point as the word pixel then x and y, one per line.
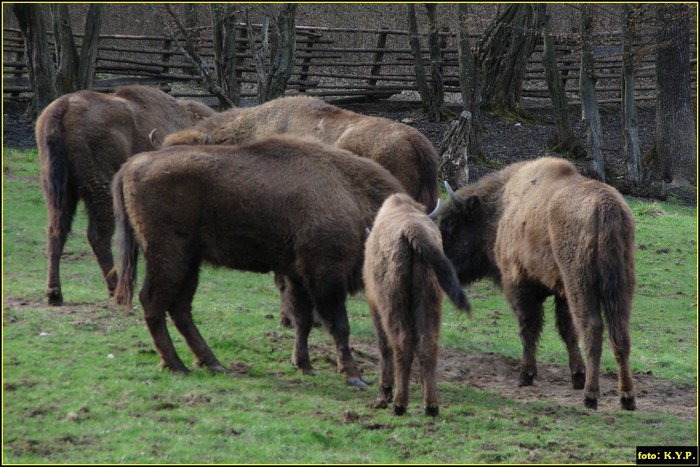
pixel 538 228
pixel 403 271
pixel 293 206
pixel 83 139
pixel 402 150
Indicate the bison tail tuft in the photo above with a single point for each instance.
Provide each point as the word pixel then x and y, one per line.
pixel 128 247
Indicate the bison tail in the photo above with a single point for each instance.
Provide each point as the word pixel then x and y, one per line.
pixel 55 173
pixel 444 271
pixel 428 161
pixel 616 273
pixel 128 247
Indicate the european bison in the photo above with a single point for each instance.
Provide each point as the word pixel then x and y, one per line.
pixel 402 150
pixel 289 205
pixel 538 228
pixel 83 139
pixel 403 272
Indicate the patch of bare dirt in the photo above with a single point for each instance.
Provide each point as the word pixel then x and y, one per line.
pixel 498 374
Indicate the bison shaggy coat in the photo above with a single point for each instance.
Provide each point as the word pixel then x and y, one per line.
pixel 293 206
pixel 83 139
pixel 402 150
pixel 404 270
pixel 538 228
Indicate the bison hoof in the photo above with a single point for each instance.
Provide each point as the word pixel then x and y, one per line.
pixel 399 410
pixel 628 403
pixel 358 383
pixel 590 403
pixel 432 410
pixel 54 297
pixel 387 393
pixel 578 380
pixel 526 379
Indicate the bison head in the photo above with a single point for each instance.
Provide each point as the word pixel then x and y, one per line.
pixel 468 236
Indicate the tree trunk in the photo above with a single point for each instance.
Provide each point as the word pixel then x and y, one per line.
pixel 38 56
pixel 557 93
pixel 629 108
pixel 88 49
pixel 468 84
pixel 675 125
pixel 414 41
pixel 66 52
pixel 284 51
pixel 589 102
pixel 224 32
pixel 189 51
pixel 438 112
pixel 273 78
pixel 454 151
pixel 503 52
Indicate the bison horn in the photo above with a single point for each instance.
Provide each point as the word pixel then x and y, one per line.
pixel 451 192
pixel 152 137
pixel 433 215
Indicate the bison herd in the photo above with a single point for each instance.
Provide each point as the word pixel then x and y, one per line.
pixel 331 202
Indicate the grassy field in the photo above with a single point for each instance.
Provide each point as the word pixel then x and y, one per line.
pixel 81 382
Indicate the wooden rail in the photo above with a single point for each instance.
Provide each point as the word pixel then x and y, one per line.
pixel 330 62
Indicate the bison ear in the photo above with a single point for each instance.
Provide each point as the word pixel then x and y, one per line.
pixel 472 203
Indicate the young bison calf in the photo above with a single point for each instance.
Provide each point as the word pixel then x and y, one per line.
pixel 403 272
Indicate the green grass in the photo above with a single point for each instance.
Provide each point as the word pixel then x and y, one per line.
pixel 81 382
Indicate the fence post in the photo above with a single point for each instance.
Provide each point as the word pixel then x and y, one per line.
pixel 306 63
pixel 240 48
pixel 167 46
pixel 378 57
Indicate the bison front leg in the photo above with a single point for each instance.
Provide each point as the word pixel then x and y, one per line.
pixel 329 300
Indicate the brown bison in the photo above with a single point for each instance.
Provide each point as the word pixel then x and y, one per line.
pixel 403 271
pixel 293 206
pixel 83 139
pixel 402 150
pixel 538 228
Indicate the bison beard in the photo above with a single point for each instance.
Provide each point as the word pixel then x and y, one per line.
pixel 403 271
pixel 292 206
pixel 83 138
pixel 538 228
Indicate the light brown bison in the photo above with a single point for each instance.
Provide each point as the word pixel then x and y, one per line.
pixel 83 139
pixel 293 206
pixel 538 228
pixel 403 271
pixel 401 149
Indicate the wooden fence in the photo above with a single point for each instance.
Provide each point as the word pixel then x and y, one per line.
pixel 330 63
